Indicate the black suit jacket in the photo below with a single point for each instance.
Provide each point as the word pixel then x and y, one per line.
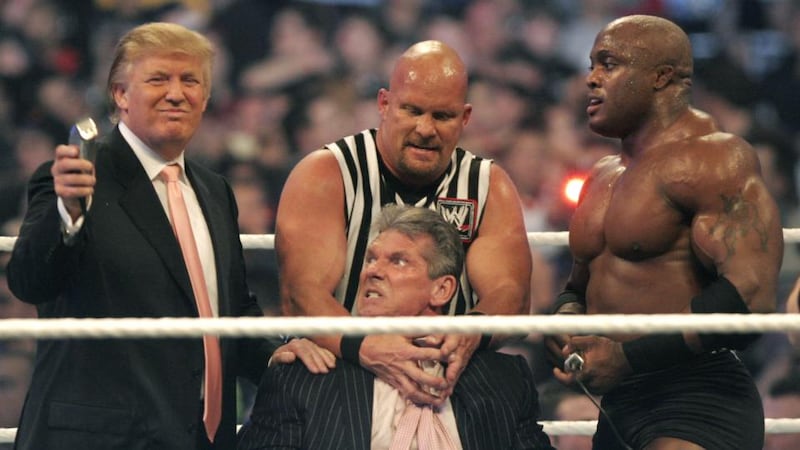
pixel 126 262
pixel 495 404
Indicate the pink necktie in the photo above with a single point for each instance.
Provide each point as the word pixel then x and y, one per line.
pixel 429 429
pixel 183 231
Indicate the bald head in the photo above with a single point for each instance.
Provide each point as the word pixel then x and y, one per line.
pixel 656 41
pixel 430 63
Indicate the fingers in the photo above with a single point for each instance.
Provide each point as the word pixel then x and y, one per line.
pixel 394 358
pixel 565 378
pixel 431 340
pixel 555 345
pixel 315 358
pixel 281 357
pixel 73 177
pixel 464 344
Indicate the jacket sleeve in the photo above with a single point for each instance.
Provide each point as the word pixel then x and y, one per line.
pixel 41 263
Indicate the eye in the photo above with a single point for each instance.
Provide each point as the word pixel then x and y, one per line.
pixel 157 79
pixel 412 110
pixel 443 116
pixel 399 261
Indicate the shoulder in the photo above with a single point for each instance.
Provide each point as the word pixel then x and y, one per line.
pixel 605 167
pixel 320 162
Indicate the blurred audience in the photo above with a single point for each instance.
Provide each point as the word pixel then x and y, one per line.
pixel 295 74
pixel 783 401
pixel 562 403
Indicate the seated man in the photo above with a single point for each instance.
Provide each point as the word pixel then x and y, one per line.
pixel 411 269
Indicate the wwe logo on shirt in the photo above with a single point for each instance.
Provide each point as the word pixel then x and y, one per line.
pixel 461 213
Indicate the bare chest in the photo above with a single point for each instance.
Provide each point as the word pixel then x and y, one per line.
pixel 628 214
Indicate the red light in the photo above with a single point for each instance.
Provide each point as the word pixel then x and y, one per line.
pixel 572 189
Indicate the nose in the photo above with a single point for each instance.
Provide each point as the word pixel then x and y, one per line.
pixel 591 79
pixel 425 125
pixel 175 91
pixel 374 269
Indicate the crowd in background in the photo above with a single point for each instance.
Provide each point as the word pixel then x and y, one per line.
pixel 291 76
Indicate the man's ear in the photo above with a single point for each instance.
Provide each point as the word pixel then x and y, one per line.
pixel 383 101
pixel 443 290
pixel 664 75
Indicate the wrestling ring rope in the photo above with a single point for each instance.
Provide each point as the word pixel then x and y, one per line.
pixel 541 324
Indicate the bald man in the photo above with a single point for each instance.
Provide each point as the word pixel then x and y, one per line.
pixel 679 222
pixel 332 196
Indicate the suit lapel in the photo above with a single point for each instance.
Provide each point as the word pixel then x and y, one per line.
pixel 141 204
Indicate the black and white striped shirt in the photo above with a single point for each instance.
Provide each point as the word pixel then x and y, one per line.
pixel 460 196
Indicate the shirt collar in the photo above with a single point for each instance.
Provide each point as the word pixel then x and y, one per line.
pixel 152 162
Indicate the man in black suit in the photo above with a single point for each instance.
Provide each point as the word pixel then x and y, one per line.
pixel 97 241
pixel 411 269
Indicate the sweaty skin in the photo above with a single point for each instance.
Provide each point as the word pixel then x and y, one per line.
pixel 682 203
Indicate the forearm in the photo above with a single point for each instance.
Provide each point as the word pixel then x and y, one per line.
pixel 658 351
pixel 310 302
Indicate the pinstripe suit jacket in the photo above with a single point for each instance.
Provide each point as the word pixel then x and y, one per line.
pixel 495 404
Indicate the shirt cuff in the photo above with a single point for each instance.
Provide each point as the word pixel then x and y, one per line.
pixel 70 228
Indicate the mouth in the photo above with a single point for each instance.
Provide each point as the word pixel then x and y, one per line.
pixel 173 112
pixel 422 147
pixel 593 105
pixel 372 294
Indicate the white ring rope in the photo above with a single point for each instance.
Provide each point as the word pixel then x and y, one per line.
pixel 358 326
pixel 535 239
pixel 587 427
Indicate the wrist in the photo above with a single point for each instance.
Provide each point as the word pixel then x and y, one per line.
pixel 486 339
pixel 569 302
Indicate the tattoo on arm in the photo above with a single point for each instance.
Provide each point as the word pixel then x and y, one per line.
pixel 740 217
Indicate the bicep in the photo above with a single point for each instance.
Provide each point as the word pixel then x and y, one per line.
pixel 499 260
pixel 310 235
pixel 737 232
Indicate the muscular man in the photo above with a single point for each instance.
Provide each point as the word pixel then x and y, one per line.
pixel 333 195
pixel 679 222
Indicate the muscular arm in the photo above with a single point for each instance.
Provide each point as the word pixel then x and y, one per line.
pixel 311 245
pixel 736 228
pixel 499 259
pixel 310 241
pixel 498 266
